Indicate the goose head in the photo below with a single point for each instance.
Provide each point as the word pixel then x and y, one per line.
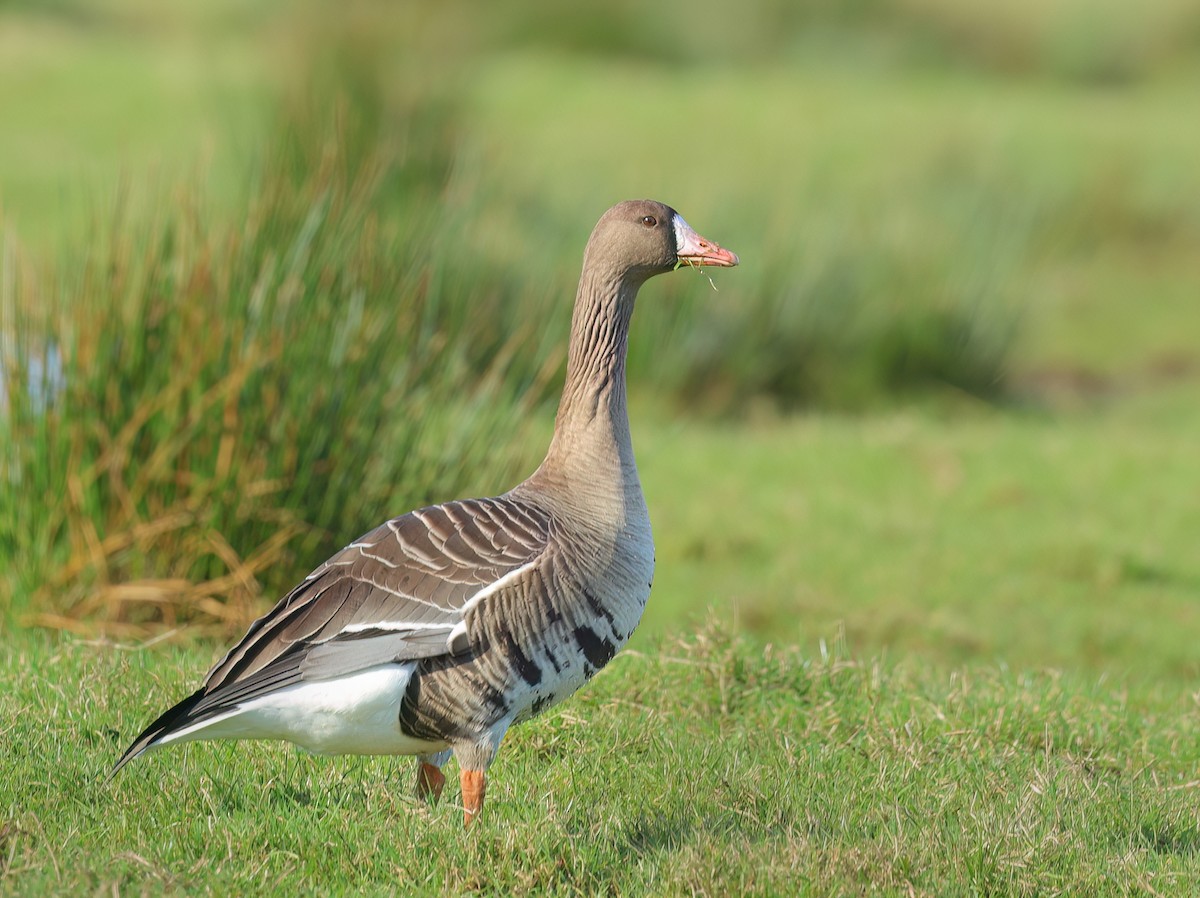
pixel 644 238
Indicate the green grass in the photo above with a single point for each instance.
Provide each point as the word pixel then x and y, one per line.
pixel 1059 540
pixel 973 675
pixel 933 635
pixel 89 91
pixel 706 765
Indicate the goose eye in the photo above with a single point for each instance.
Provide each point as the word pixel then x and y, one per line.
pixel 649 221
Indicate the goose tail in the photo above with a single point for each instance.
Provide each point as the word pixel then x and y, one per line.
pixel 164 725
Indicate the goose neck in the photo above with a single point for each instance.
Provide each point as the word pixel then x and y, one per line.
pixel 591 431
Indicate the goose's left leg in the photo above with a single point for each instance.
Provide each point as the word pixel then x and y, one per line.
pixel 473 761
pixel 474 787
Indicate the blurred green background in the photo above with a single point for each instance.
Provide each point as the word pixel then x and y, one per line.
pixel 273 271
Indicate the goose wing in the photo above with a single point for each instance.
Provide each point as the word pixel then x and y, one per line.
pixel 399 593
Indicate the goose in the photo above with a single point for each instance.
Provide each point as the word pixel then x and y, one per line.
pixel 440 629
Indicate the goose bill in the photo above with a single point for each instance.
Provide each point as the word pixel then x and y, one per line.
pixel 692 249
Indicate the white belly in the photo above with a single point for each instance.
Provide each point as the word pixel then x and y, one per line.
pixel 358 714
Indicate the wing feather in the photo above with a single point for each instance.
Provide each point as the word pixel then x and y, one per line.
pixel 407 590
pixel 345 655
pixel 395 594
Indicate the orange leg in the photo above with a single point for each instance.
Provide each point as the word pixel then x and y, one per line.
pixel 430 782
pixel 474 785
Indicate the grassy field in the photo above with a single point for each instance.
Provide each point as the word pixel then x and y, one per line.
pixel 1024 539
pixel 970 676
pixel 921 470
pixel 706 765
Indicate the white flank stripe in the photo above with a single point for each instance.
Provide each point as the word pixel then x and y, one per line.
pixel 397 625
pixel 497 585
pixel 457 641
pixel 358 714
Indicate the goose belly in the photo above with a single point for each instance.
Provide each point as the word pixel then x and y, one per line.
pixel 357 714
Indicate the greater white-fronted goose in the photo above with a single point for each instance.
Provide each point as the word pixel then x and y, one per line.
pixel 437 631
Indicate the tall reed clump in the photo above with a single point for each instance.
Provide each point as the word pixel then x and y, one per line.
pixel 199 413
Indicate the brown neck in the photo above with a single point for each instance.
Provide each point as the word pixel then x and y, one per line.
pixel 591 445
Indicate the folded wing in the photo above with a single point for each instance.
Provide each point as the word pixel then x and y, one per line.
pixel 399 593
